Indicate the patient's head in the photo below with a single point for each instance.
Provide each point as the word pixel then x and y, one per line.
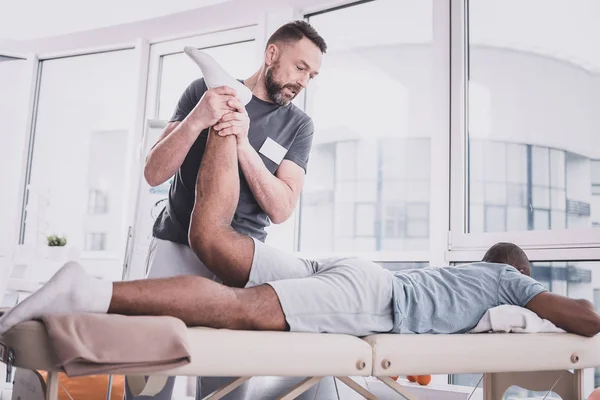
pixel 292 58
pixel 508 253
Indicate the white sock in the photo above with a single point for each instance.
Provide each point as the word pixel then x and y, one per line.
pixel 215 75
pixel 71 289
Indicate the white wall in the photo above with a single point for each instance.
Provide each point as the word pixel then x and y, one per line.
pixel 232 14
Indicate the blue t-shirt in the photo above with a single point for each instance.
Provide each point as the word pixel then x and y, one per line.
pixel 453 299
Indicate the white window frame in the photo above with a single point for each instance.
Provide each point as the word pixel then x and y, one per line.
pixel 160 49
pixel 141 47
pixel 582 238
pixel 33 70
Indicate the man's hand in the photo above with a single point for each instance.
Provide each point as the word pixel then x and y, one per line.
pixel 234 123
pixel 212 106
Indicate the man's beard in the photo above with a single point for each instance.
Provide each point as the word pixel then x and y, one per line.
pixel 275 89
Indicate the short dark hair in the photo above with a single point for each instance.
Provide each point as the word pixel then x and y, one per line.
pixel 508 253
pixel 295 31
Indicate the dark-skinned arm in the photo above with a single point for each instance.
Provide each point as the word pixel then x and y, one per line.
pixel 573 315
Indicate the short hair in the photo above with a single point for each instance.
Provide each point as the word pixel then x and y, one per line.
pixel 508 253
pixel 295 31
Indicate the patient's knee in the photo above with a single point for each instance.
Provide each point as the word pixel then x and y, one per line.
pixel 203 241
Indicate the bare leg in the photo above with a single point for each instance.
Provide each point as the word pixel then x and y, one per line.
pixel 200 302
pixel 194 300
pixel 225 252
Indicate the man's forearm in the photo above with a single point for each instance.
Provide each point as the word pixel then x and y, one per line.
pixel 168 154
pixel 273 195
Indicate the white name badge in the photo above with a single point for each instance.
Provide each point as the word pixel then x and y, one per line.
pixel 273 151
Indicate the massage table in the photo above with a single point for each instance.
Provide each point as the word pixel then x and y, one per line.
pixel 532 361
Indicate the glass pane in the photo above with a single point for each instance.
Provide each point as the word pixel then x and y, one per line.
pixel 417 228
pixel 390 42
pixel 559 220
pixel 476 219
pixel 366 191
pixel 477 193
pixel 515 74
pixel 365 220
pixel 541 197
pixel 85 112
pixel 578 280
pixel 516 219
pixel 494 162
pixel 476 161
pixel 495 193
pixel 595 212
pixel 178 71
pixel 559 201
pixel 495 219
pixel 366 160
pixel 541 219
pixel 516 163
pixel 344 220
pixel 557 169
pixel 345 192
pixel 596 172
pixel 418 211
pixel 394 220
pixel 417 191
pixel 516 195
pixel 345 161
pixel 540 166
pixel 14 95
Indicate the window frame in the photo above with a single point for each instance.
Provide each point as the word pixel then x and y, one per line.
pixel 33 68
pixel 140 49
pixel 175 46
pixel 459 239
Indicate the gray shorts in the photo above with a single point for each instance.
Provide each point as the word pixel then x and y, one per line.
pixel 333 295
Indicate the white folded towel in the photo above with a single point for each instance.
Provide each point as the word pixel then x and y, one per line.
pixel 515 319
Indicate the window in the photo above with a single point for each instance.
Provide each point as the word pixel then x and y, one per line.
pixel 178 71
pixel 383 44
pixel 577 280
pixel 516 193
pixel 79 164
pixel 532 130
pixel 595 212
pixel 97 202
pixel 14 98
pixel 95 241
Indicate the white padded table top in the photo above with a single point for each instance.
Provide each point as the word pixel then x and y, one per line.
pixel 228 353
pixel 481 353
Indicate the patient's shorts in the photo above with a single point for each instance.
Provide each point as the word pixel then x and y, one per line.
pixel 333 295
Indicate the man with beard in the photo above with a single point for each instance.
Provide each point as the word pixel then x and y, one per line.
pixel 273 137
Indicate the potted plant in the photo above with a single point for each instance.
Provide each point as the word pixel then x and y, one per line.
pixel 57 249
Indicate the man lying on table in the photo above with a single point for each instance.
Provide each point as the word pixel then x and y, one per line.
pixel 267 289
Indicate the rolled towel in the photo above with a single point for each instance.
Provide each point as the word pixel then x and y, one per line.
pixel 508 318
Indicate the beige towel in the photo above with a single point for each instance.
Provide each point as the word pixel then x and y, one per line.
pixel 92 344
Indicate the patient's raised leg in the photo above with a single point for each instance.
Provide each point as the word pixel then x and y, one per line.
pixel 224 251
pixel 195 300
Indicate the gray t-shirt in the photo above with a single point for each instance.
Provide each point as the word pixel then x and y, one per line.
pixel 453 299
pixel 287 125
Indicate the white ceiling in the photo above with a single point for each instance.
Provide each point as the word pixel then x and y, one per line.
pixel 35 19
